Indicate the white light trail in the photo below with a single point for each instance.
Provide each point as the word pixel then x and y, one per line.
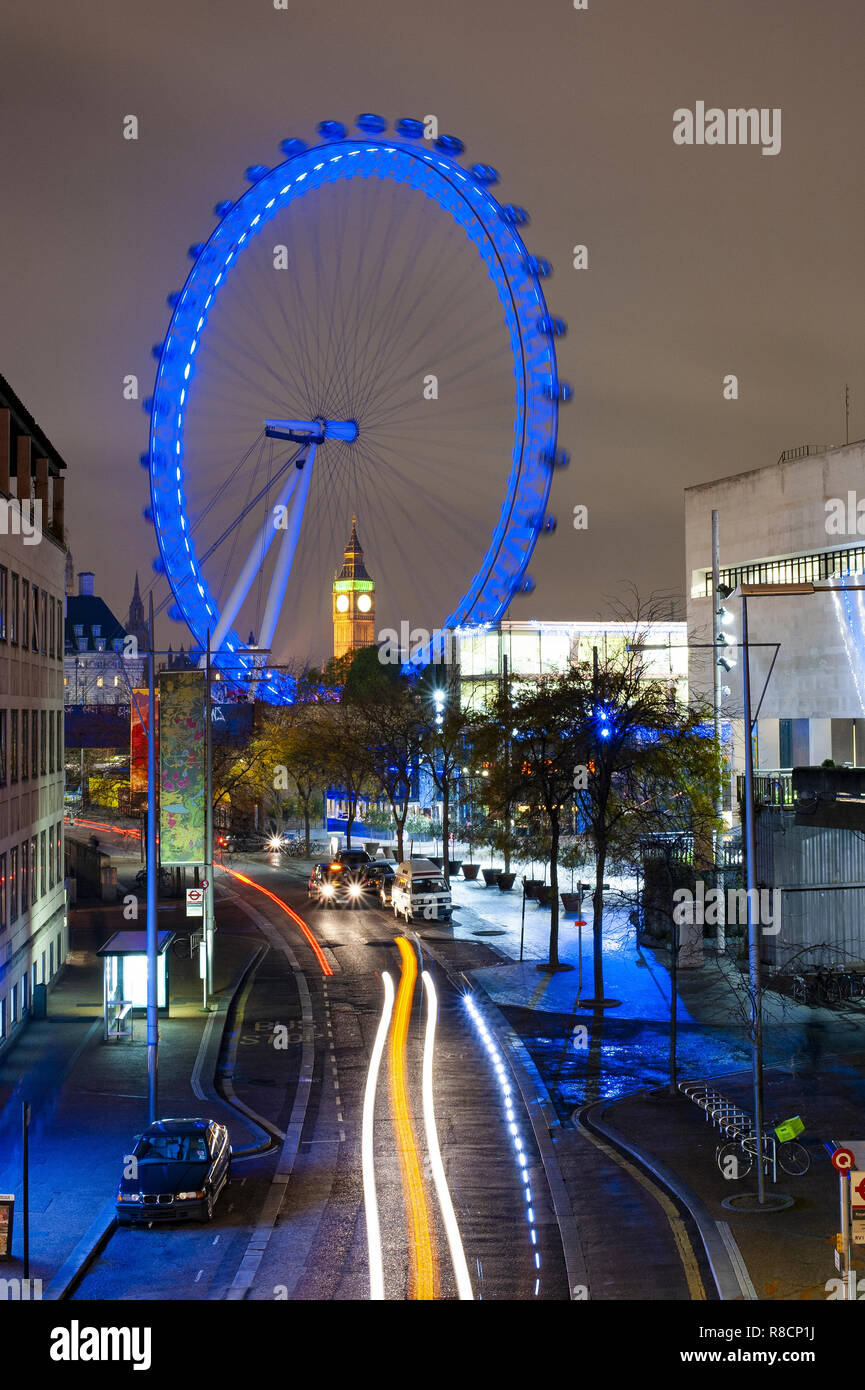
pixel 370 1201
pixel 458 1256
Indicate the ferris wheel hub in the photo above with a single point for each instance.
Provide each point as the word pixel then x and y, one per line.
pixel 311 431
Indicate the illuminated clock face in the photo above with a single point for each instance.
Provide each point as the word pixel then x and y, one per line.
pixel 364 603
pixel 342 603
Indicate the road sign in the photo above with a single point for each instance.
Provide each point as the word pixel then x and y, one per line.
pixel 857 1190
pixel 843 1160
pixel 205 883
pixel 859 1234
pixel 194 902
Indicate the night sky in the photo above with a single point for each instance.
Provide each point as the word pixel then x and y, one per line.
pixel 702 261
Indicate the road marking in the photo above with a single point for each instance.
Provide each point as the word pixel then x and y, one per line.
pixel 458 1257
pixel 370 1201
pixel 422 1261
pixel 198 1275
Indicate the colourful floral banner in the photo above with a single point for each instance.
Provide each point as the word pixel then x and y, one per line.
pixel 181 767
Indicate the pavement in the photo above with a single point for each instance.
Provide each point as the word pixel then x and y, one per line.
pixel 88 1098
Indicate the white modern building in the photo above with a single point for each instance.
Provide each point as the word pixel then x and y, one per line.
pixel 800 520
pixel 33 928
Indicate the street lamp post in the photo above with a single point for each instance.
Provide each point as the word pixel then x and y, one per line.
pixel 152 916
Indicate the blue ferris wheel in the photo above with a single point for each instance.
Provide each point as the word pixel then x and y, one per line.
pixel 336 350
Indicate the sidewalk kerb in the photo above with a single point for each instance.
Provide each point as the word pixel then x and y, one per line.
pixel 726 1271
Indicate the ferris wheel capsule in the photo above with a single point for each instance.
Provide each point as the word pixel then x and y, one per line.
pixel 256 172
pixel 450 144
pixel 375 125
pixel 517 216
pixel 220 209
pixel 410 128
pixel 537 266
pixel 331 130
pixel 484 173
pixel 527 585
pixel 292 147
pixel 195 250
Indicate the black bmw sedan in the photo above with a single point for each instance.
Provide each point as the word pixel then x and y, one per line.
pixel 175 1172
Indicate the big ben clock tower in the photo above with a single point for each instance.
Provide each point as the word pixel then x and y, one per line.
pixel 353 601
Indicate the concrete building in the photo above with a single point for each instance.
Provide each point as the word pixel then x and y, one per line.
pixel 800 519
pixel 99 664
pixel 33 930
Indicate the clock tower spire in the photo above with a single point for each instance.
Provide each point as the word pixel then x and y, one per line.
pixel 353 601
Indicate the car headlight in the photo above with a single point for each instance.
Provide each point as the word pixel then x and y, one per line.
pixel 275 842
pixel 190 1196
pixel 129 1196
pixel 354 890
pixel 327 890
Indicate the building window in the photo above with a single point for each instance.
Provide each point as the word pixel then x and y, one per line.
pixel 43 742
pixel 25 876
pixel 43 866
pixel 3 908
pixel 58 852
pixel 59 741
pixel 34 742
pixel 99 682
pixel 51 960
pixel 13 745
pixel 51 626
pixel 35 634
pixel 25 746
pixel 33 851
pixel 3 718
pixel 13 884
pixel 43 626
pixel 4 595
pixel 25 611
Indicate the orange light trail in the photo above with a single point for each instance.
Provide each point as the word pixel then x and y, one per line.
pixel 295 917
pixel 423 1263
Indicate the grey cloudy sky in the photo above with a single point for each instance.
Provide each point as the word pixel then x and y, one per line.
pixel 702 261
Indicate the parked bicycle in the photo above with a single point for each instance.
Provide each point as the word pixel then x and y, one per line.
pixel 736 1157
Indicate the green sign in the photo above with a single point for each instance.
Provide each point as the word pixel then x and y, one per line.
pixel 181 767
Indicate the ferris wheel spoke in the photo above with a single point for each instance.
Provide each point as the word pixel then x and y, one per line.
pixel 285 558
pixel 252 566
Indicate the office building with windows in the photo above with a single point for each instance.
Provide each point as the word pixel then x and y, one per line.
pixel 798 521
pixel 33 930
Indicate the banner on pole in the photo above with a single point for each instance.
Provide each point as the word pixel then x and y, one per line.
pixel 181 766
pixel 138 743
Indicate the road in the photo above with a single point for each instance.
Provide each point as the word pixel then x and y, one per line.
pixel 323 1214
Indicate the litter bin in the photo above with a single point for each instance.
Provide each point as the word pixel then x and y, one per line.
pixel 40 1001
pixel 7 1212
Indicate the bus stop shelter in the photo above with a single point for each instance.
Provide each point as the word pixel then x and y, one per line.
pixel 124 979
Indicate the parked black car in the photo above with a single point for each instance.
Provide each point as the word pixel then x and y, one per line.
pixel 176 1172
pixel 376 879
pixel 353 858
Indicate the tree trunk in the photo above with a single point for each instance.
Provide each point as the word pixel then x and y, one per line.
pixel 349 820
pixel 598 923
pixel 554 885
pixel 674 972
pixel 445 825
pixel 306 823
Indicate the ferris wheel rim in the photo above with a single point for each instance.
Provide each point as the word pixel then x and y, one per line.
pixel 510 268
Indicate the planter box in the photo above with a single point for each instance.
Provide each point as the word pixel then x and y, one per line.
pixel 454 866
pixel 570 902
pixel 491 876
pixel 470 872
pixel 436 859
pixel 531 886
pixel 545 896
pixel 505 882
pixel 371 846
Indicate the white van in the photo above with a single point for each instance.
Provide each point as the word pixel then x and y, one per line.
pixel 419 890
